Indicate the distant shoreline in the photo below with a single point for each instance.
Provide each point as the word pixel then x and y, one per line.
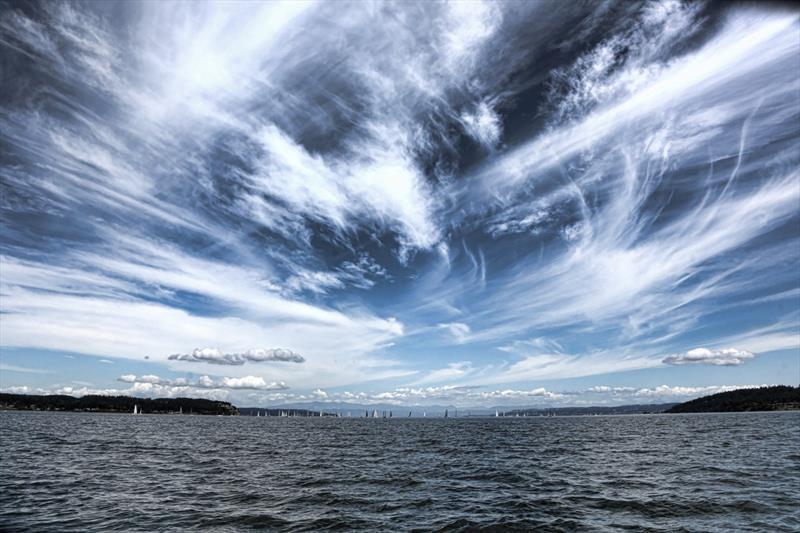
pixel 756 400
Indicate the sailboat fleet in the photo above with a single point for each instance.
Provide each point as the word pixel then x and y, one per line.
pixel 367 413
pixel 138 410
pixel 383 414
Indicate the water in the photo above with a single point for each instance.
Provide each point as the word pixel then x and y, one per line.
pixel 94 472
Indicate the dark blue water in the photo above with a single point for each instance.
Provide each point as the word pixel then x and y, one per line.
pixel 94 472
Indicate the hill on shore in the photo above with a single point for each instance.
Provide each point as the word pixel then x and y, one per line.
pixel 777 398
pixel 115 404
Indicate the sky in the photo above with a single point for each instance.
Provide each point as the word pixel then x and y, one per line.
pixel 466 203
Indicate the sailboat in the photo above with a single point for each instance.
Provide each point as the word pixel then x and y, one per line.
pixel 180 411
pixel 409 414
pixel 135 409
pixel 375 413
pixel 496 413
pixel 445 413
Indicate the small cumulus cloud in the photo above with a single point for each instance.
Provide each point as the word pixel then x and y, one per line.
pixel 704 356
pixel 215 356
pixel 106 361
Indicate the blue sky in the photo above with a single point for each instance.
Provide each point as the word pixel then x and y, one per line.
pixel 480 204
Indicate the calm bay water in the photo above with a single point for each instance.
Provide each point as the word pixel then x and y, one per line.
pixel 95 472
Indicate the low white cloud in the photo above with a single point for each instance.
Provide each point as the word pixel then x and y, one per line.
pixel 81 391
pixel 666 390
pixel 256 355
pixel 705 356
pixel 455 394
pixel 21 389
pixel 631 394
pixel 203 382
pixel 605 389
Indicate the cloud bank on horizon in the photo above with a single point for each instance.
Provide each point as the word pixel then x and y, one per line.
pixel 472 200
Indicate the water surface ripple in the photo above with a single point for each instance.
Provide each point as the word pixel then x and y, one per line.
pixel 104 472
